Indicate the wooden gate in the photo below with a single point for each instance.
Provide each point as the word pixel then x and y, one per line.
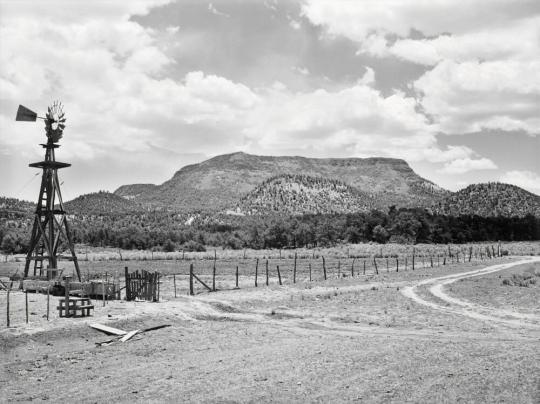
pixel 142 285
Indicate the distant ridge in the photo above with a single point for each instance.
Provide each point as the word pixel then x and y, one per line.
pixel 219 183
pixel 490 199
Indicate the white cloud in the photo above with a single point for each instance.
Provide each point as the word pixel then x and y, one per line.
pixel 295 24
pixel 472 96
pixel 172 29
pixel 516 40
pixel 368 78
pixel 464 165
pixel 484 55
pixel 215 11
pixel 110 74
pixel 360 19
pixel 524 179
pixel 356 121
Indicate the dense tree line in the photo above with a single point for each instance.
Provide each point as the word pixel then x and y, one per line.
pixel 167 231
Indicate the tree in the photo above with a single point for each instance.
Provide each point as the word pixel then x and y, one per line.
pixel 9 244
pixel 380 234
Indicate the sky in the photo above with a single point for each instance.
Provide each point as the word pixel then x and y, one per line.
pixel 149 86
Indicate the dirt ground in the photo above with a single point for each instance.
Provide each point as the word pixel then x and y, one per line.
pixel 443 334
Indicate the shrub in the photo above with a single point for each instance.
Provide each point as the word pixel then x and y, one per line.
pixel 193 246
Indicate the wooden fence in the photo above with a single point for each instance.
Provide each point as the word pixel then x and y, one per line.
pixel 305 268
pixel 142 285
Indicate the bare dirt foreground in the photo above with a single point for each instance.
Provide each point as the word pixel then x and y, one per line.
pixel 458 334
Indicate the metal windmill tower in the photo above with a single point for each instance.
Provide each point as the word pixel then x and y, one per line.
pixel 50 227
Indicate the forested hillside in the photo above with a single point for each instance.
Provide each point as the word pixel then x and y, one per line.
pixel 15 205
pixel 101 202
pixel 490 199
pixel 302 194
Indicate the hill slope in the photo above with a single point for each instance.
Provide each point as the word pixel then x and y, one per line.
pixel 101 202
pixel 219 183
pixel 302 194
pixel 490 199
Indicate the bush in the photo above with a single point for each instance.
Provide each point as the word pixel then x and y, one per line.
pixel 193 246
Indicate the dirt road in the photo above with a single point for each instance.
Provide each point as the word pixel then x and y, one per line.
pixel 457 306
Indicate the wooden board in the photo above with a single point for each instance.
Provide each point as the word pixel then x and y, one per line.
pixel 129 335
pixel 107 329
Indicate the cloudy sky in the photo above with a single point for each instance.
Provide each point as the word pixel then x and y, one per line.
pixel 453 87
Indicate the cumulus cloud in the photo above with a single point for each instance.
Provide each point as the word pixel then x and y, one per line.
pixel 472 96
pixel 483 55
pixel 524 179
pixel 464 165
pixel 359 20
pixel 114 76
pixel 110 74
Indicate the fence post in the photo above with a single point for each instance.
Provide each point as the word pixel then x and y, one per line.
pixel 48 298
pixel 158 277
pixel 413 254
pixel 128 291
pixel 324 267
pixel 256 271
pixel 397 264
pixel 405 262
pixel 174 280
pixel 266 272
pixel 339 268
pixel 26 304
pixel 375 264
pixel 364 266
pixel 294 270
pixel 7 304
pixel 191 279
pixel 279 274
pixel 237 276
pixel 387 266
pixel 352 267
pixel 214 273
pixel 309 271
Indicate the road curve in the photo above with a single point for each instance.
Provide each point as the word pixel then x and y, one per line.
pixel 465 308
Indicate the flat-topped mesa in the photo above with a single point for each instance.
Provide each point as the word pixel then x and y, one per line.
pixel 218 183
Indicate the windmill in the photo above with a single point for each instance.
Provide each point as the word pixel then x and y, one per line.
pixel 50 227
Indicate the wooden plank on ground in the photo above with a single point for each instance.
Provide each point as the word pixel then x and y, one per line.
pixel 129 335
pixel 107 329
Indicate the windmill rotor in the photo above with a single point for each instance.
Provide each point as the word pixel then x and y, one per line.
pixel 55 121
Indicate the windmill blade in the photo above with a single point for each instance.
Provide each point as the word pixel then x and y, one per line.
pixel 25 114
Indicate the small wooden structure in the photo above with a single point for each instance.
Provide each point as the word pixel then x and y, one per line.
pixel 76 307
pixel 142 285
pixel 73 306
